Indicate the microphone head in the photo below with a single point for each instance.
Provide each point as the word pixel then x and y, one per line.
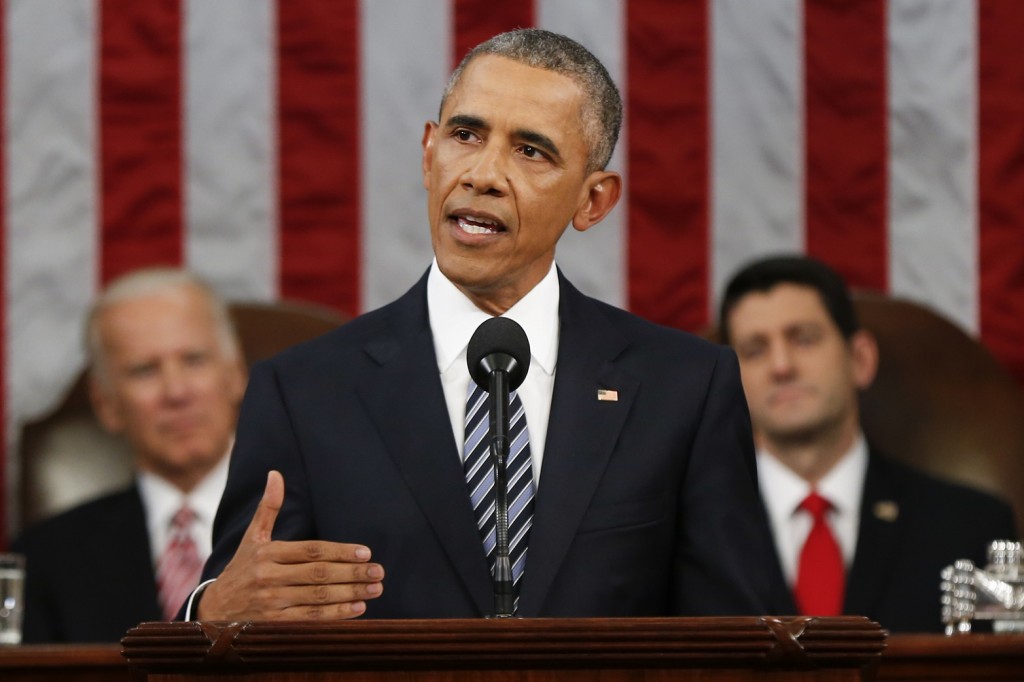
pixel 498 344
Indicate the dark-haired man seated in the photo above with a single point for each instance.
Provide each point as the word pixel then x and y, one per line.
pixel 856 532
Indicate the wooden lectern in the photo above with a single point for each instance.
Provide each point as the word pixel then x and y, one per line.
pixel 531 650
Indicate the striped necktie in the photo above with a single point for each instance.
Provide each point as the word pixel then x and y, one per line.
pixel 179 568
pixel 480 479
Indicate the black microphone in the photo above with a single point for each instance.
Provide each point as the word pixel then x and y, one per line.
pixel 499 357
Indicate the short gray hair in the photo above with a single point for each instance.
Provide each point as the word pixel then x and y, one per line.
pixel 146 282
pixel 602 106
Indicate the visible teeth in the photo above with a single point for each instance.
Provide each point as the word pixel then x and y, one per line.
pixel 478 225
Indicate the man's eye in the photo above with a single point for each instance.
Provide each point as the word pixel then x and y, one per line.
pixel 807 338
pixel 464 135
pixel 141 371
pixel 195 359
pixel 750 352
pixel 533 153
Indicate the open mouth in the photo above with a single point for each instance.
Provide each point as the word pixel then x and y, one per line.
pixel 478 224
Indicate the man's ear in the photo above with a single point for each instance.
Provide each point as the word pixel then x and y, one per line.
pixel 239 378
pixel 603 189
pixel 106 407
pixel 864 355
pixel 428 151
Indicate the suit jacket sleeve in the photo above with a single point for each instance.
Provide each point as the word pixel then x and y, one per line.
pixel 726 561
pixel 264 442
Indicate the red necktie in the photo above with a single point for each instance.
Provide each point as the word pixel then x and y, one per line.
pixel 820 578
pixel 179 568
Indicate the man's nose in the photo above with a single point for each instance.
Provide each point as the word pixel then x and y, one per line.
pixel 781 359
pixel 488 171
pixel 175 383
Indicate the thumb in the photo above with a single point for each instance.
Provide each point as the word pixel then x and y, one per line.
pixel 262 524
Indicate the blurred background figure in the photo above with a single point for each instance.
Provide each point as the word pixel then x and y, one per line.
pixel 856 532
pixel 167 374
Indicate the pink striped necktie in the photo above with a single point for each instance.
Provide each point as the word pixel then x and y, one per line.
pixel 179 568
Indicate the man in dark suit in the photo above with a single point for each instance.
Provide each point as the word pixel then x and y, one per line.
pixel 167 374
pixel 887 529
pixel 642 460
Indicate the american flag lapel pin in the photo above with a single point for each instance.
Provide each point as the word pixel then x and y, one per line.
pixel 607 395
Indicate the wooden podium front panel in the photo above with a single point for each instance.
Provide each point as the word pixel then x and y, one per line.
pixel 961 657
pixel 822 649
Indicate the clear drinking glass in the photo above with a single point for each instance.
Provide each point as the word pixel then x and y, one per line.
pixel 12 590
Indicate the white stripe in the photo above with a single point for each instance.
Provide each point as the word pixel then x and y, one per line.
pixel 756 131
pixel 405 60
pixel 230 136
pixel 51 189
pixel 595 261
pixel 933 225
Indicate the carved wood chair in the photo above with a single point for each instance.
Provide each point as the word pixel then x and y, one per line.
pixel 941 401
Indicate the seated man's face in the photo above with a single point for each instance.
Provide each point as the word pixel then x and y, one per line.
pixel 800 375
pixel 168 386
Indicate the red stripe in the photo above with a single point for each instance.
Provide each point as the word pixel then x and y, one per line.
pixel 478 20
pixel 847 145
pixel 140 133
pixel 1001 180
pixel 319 148
pixel 667 99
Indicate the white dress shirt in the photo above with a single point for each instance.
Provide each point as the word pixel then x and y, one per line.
pixel 161 501
pixel 783 491
pixel 454 318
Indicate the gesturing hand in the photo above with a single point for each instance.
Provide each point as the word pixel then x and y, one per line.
pixel 307 580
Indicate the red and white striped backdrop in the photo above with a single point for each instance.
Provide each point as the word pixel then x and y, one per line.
pixel 274 147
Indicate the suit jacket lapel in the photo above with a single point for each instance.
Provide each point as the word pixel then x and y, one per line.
pixel 406 401
pixel 877 540
pixel 582 432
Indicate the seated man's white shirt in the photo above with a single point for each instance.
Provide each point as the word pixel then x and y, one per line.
pixel 454 318
pixel 783 491
pixel 161 501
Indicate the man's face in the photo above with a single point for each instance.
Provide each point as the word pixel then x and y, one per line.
pixel 800 375
pixel 505 171
pixel 169 387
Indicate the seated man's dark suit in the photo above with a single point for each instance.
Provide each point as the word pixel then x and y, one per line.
pixel 89 572
pixel 912 525
pixel 646 505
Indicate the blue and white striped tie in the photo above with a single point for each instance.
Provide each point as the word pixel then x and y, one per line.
pixel 480 479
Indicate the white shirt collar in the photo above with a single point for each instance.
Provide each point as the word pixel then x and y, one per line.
pixel 454 318
pixel 783 491
pixel 843 485
pixel 162 500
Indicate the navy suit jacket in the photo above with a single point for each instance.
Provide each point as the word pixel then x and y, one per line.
pixel 894 578
pixel 89 573
pixel 647 505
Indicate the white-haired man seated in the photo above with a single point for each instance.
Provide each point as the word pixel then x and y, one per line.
pixel 167 374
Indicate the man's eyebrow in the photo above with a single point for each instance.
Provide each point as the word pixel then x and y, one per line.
pixel 536 139
pixel 466 121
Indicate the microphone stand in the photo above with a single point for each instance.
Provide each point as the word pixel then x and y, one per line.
pixel 498 356
pixel 498 389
